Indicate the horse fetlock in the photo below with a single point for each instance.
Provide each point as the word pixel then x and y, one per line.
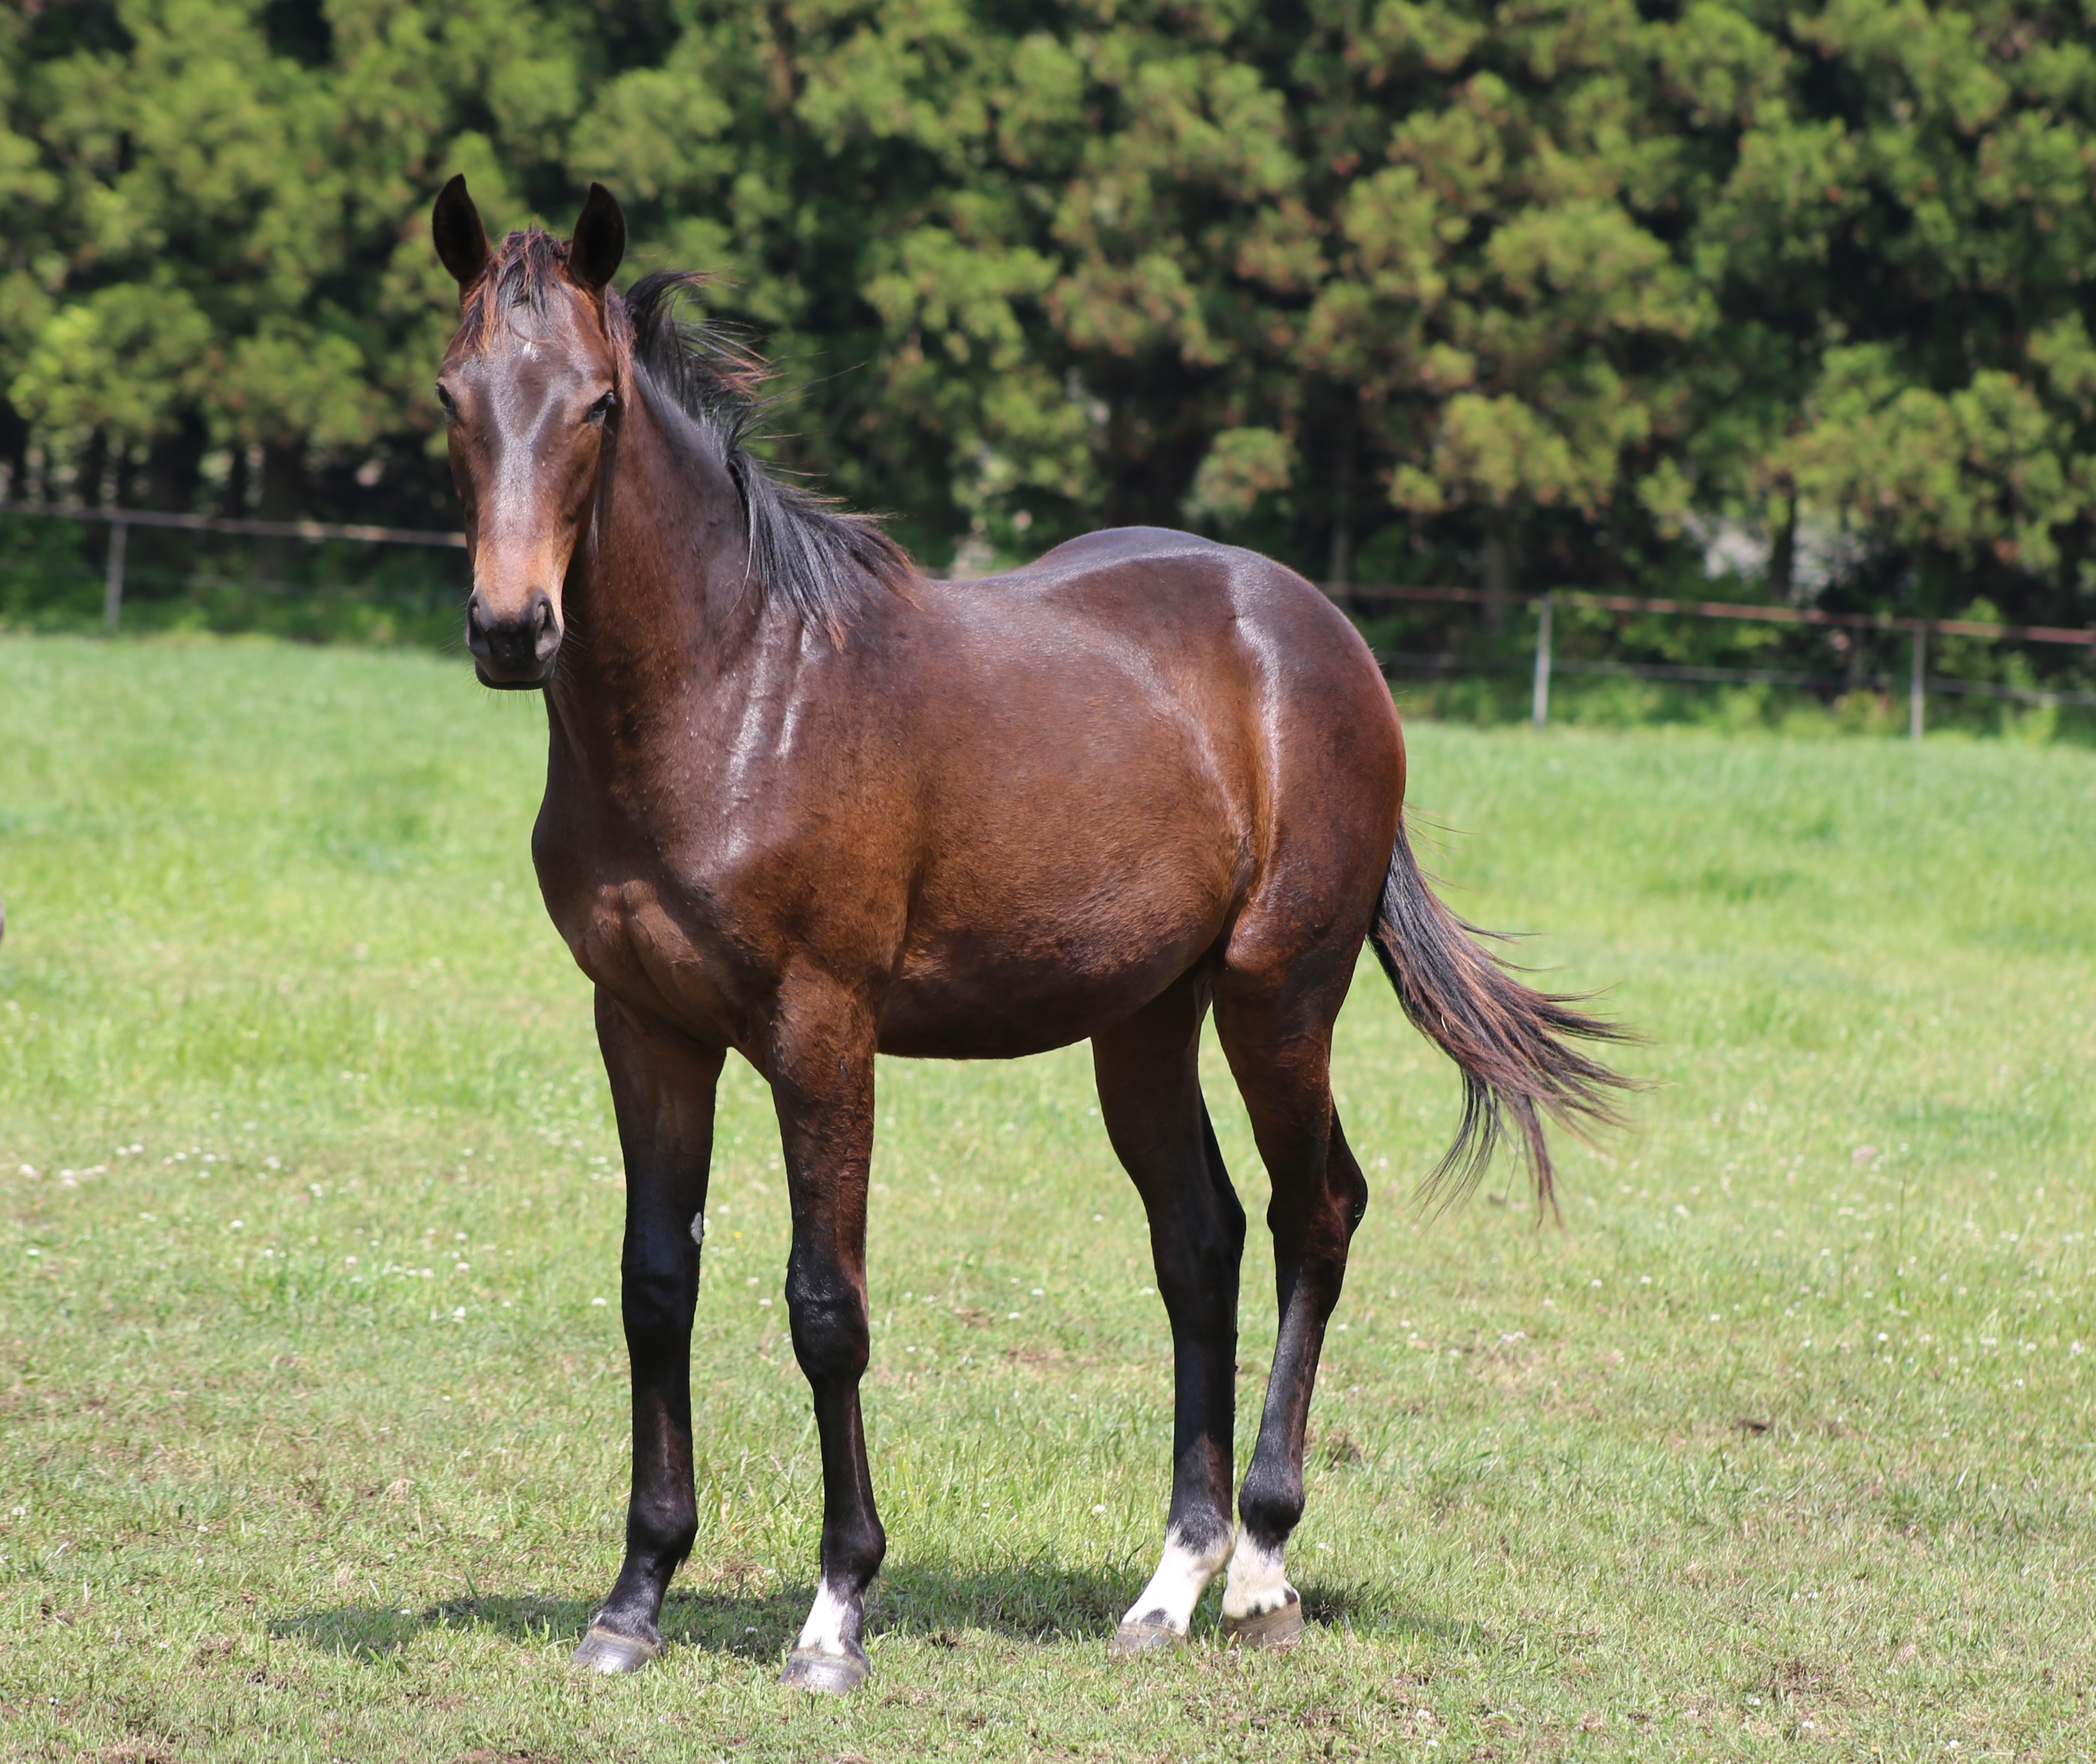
pixel 644 1578
pixel 1258 1582
pixel 836 1623
pixel 853 1551
pixel 1190 1560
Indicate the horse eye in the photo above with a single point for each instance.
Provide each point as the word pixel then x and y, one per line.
pixel 602 408
pixel 445 399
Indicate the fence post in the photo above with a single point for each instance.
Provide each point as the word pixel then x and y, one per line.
pixel 112 585
pixel 1539 703
pixel 1916 686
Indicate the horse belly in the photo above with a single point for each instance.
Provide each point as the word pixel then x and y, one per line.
pixel 1026 976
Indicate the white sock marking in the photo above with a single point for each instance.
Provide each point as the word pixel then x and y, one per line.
pixel 1183 1574
pixel 824 1630
pixel 1258 1583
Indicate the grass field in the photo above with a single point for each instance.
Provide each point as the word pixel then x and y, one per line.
pixel 313 1407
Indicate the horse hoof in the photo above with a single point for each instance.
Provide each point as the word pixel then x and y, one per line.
pixel 606 1651
pixel 1280 1627
pixel 1140 1635
pixel 826 1675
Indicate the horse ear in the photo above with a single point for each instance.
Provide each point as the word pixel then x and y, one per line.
pixel 599 239
pixel 460 239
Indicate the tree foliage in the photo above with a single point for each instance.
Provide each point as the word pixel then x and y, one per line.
pixel 1630 291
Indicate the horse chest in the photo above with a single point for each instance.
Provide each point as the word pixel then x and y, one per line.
pixel 645 940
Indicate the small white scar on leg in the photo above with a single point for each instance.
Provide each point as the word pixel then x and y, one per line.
pixel 1182 1576
pixel 1258 1583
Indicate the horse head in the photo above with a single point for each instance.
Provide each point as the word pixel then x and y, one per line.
pixel 530 388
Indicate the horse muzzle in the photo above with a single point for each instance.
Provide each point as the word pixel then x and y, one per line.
pixel 513 652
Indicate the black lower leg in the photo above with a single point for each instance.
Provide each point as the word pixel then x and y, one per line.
pixel 1150 1097
pixel 831 1339
pixel 1197 1239
pixel 1196 1276
pixel 660 1290
pixel 1312 1224
pixel 663 1090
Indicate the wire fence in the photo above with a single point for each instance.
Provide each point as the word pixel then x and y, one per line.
pixel 1543 661
pixel 116 568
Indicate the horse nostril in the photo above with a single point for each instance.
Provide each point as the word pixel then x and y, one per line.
pixel 545 629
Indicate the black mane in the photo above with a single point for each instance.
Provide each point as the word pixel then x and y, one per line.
pixel 827 565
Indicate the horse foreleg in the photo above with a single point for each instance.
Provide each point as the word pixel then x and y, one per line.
pixel 1150 1097
pixel 662 1094
pixel 822 1083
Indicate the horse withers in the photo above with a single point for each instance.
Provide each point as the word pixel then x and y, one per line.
pixel 805 803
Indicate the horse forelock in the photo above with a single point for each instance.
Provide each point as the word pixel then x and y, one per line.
pixel 516 289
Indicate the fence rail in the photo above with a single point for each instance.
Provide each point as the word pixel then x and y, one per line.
pixel 1918 631
pixel 1774 615
pixel 213 523
pixel 121 520
pixel 1544 666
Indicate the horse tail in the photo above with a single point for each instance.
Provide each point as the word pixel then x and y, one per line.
pixel 1512 1043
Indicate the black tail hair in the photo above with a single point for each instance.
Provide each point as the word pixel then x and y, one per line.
pixel 1509 1041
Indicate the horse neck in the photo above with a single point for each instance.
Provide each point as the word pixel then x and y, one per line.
pixel 656 604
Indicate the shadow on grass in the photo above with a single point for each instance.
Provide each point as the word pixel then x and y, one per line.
pixel 1032 1602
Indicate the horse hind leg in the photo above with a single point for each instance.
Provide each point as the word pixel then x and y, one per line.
pixel 1282 1067
pixel 1150 1098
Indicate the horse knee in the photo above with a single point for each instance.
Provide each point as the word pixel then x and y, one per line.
pixel 831 1336
pixel 1198 1276
pixel 657 1288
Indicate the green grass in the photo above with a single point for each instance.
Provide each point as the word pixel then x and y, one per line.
pixel 1781 1445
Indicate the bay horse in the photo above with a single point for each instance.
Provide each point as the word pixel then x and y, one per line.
pixel 806 803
